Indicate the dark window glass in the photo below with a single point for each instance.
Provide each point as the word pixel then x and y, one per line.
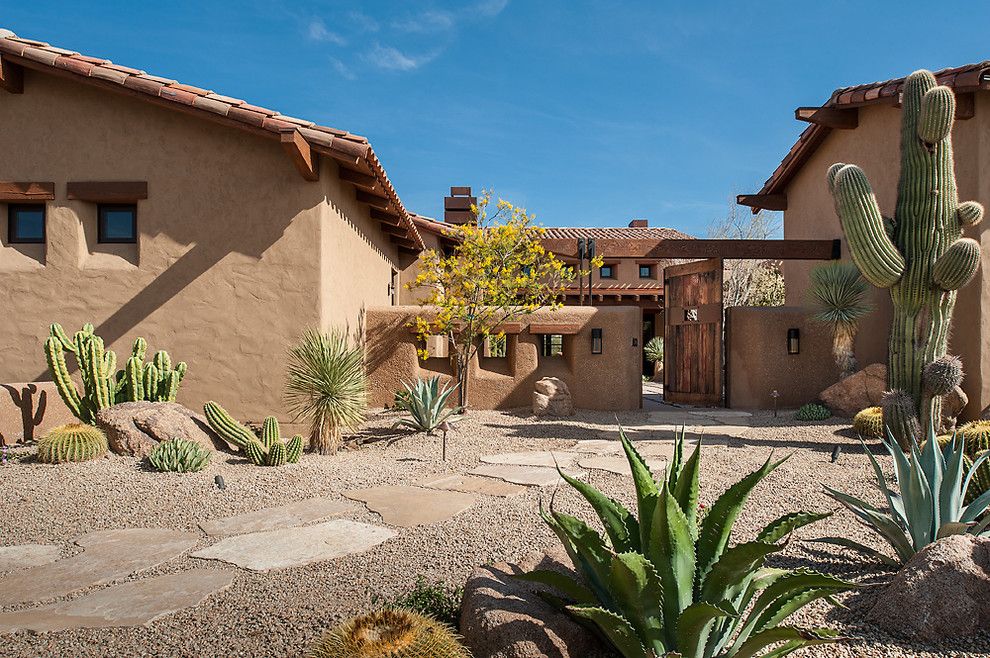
pixel 26 224
pixel 552 345
pixel 646 271
pixel 117 223
pixel 607 272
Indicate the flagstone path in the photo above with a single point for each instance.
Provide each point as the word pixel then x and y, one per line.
pixel 473 484
pixel 272 518
pixel 531 476
pixel 411 506
pixel 27 555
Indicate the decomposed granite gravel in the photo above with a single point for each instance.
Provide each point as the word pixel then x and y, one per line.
pixel 278 613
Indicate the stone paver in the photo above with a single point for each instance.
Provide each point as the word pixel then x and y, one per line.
pixel 597 447
pixel 534 458
pixel 108 555
pixel 411 506
pixel 472 484
pixel 27 555
pixel 531 476
pixel 294 547
pixel 620 465
pixel 135 603
pixel 271 518
pixel 721 413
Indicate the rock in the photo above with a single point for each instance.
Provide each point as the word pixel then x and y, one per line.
pixel 953 404
pixel 504 617
pixel 411 506
pixel 942 593
pixel 858 391
pixel 272 518
pixel 472 484
pixel 552 398
pixel 531 476
pixel 531 458
pixel 620 465
pixel 134 428
pixel 27 555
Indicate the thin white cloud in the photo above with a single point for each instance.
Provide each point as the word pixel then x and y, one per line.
pixel 490 8
pixel 342 69
pixel 392 59
pixel 363 22
pixel 426 22
pixel 317 31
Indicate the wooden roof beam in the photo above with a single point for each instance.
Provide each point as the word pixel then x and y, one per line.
pixel 11 76
pixel 384 216
pixel 301 153
pixel 829 117
pixel 373 200
pixel 358 178
pixel 763 201
pixel 750 249
pixel 402 242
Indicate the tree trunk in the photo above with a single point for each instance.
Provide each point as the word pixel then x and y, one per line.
pixel 843 351
pixel 326 440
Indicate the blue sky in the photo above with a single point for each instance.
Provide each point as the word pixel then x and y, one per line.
pixel 586 112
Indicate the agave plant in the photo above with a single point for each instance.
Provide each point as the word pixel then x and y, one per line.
pixel 326 384
pixel 838 295
pixel 929 506
pixel 426 402
pixel 667 583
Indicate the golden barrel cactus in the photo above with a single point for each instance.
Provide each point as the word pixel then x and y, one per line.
pixel 868 423
pixel 389 634
pixel 75 442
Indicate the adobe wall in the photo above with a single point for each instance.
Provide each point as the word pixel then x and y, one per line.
pixel 758 364
pixel 875 146
pixel 610 380
pixel 237 254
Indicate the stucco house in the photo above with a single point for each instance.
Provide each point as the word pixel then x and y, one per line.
pixel 861 125
pixel 217 229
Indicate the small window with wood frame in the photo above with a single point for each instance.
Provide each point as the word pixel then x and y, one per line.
pixel 26 223
pixel 116 223
pixel 647 271
pixel 551 345
pixel 607 271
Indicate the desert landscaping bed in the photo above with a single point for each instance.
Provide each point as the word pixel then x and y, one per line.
pixel 279 612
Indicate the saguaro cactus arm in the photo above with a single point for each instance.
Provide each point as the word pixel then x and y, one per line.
pixel 970 213
pixel 957 264
pixel 874 253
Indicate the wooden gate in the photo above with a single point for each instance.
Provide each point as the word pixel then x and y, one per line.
pixel 692 302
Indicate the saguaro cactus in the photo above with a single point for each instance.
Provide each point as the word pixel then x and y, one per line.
pixel 919 254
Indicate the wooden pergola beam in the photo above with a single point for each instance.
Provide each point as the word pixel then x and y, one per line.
pixel 11 76
pixel 830 117
pixel 763 201
pixel 750 249
pixel 301 153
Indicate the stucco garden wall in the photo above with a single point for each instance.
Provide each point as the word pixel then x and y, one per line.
pixel 610 380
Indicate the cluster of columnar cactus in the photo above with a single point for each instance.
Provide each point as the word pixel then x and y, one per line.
pixel 75 442
pixel 179 456
pixel 919 254
pixel 103 384
pixel 395 633
pixel 268 450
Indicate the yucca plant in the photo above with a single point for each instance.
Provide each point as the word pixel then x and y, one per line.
pixel 327 385
pixel 929 506
pixel 653 351
pixel 837 293
pixel 668 584
pixel 426 402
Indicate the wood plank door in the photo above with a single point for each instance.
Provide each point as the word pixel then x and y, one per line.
pixel 692 303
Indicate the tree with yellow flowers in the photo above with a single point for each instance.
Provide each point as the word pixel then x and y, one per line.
pixel 497 272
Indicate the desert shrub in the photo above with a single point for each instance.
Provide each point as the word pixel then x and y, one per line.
pixel 427 405
pixel 74 442
pixel 179 456
pixel 812 412
pixel 437 600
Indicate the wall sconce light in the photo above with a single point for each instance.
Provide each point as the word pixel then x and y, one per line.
pixel 793 341
pixel 596 341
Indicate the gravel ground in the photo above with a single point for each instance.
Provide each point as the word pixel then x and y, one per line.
pixel 280 613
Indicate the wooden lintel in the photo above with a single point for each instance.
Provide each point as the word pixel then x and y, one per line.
pixel 358 178
pixel 749 249
pixel 372 200
pixel 11 191
pixel 384 216
pixel 11 76
pixel 301 154
pixel 106 191
pixel 830 117
pixel 551 328
pixel 965 106
pixel 763 201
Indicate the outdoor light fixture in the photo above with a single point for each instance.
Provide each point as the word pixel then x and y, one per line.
pixel 596 341
pixel 793 341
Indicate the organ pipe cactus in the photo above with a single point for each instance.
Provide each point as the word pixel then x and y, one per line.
pixel 268 450
pixel 919 254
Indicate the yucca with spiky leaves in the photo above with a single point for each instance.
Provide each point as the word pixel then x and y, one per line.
pixel 838 295
pixel 327 385
pixel 426 402
pixel 933 484
pixel 668 584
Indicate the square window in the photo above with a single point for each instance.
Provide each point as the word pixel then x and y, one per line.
pixel 26 224
pixel 496 347
pixel 117 223
pixel 607 272
pixel 551 345
pixel 646 271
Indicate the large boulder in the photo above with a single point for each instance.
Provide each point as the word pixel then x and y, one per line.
pixel 943 592
pixel 134 428
pixel 552 398
pixel 860 390
pixel 505 617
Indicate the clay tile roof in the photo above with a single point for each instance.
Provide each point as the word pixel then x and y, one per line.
pixel 351 150
pixel 966 78
pixel 614 233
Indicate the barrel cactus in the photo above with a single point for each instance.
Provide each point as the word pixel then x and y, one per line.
pixel 919 254
pixel 812 412
pixel 389 634
pixel 75 442
pixel 868 423
pixel 179 456
pixel 268 450
pixel 975 437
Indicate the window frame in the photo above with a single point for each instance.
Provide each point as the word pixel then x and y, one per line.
pixel 650 268
pixel 611 270
pixel 546 346
pixel 101 237
pixel 12 209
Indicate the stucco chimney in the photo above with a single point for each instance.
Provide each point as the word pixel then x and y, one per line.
pixel 457 206
pixel 639 223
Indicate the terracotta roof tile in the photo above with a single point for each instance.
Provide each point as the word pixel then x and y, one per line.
pixel 613 233
pixel 233 109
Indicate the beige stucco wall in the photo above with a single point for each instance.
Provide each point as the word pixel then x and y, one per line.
pixel 875 146
pixel 237 254
pixel 610 380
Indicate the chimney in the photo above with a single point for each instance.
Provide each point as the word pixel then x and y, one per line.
pixel 457 206
pixel 639 223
